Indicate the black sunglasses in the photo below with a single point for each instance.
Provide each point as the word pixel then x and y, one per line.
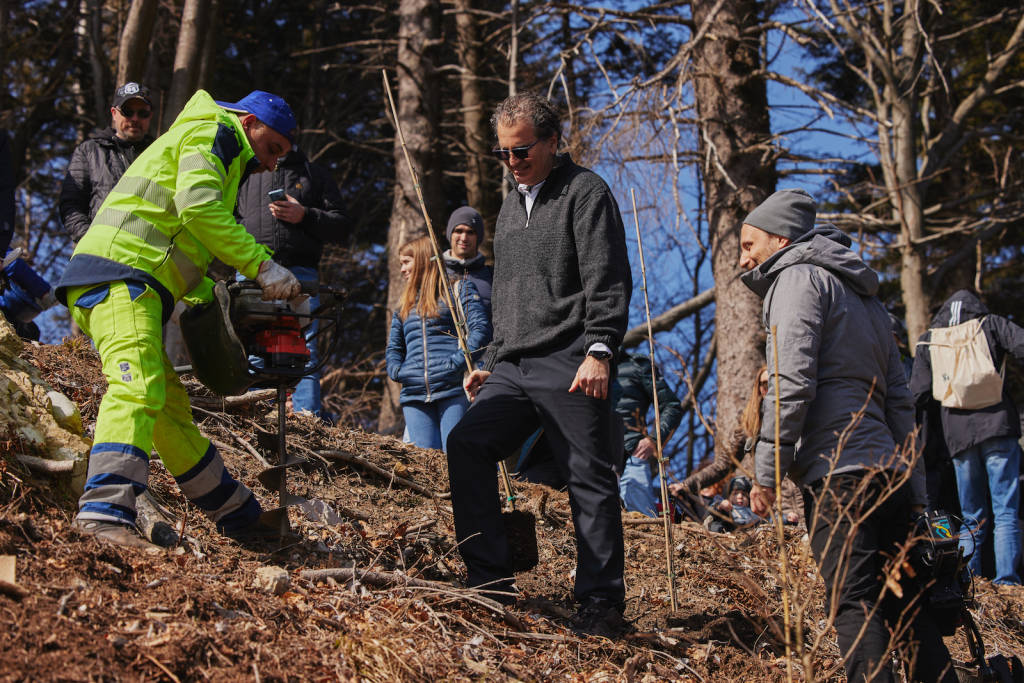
pixel 519 152
pixel 140 113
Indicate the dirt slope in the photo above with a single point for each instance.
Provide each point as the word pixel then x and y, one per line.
pixel 200 611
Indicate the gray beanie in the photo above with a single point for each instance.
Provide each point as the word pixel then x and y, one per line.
pixel 787 213
pixel 466 215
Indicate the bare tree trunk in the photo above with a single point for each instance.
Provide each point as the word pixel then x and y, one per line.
pixel 135 41
pixel 94 107
pixel 732 110
pixel 210 42
pixel 187 57
pixel 418 112
pixel 475 119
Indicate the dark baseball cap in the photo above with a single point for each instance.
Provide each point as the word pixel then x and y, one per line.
pixel 130 91
pixel 268 108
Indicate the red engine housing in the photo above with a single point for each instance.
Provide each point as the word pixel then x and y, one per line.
pixel 281 344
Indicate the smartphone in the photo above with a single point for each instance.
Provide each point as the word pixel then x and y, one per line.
pixel 276 195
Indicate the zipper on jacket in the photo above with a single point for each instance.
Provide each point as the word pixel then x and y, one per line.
pixel 423 340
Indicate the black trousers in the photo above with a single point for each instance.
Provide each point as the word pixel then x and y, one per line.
pixel 851 544
pixel 517 398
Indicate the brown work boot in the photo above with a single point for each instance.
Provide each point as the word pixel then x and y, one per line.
pixel 117 534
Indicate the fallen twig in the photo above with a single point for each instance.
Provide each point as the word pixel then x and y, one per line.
pixel 12 589
pixel 225 402
pixel 353 459
pixel 47 466
pixel 162 667
pixel 378 579
pixel 638 522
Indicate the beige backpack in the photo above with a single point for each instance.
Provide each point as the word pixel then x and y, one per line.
pixel 963 374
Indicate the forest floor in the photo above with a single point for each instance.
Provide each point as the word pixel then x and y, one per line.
pixel 206 609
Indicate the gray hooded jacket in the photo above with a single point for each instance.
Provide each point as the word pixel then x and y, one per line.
pixel 837 358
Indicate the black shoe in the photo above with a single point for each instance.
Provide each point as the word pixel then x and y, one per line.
pixel 601 617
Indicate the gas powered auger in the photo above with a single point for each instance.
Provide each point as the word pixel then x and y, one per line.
pixel 239 342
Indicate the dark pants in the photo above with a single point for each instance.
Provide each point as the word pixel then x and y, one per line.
pixel 851 553
pixel 517 398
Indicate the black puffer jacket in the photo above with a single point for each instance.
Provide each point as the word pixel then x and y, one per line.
pixel 294 244
pixel 966 428
pixel 96 166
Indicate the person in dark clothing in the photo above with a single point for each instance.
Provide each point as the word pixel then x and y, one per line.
pixel 99 162
pixel 837 358
pixel 464 260
pixel 562 285
pixel 632 396
pixel 296 227
pixel 6 193
pixel 983 440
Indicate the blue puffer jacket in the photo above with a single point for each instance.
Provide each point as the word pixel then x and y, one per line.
pixel 433 370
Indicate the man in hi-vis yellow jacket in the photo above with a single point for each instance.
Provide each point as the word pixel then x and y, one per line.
pixel 149 246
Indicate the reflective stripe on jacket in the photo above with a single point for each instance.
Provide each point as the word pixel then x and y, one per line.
pixel 172 210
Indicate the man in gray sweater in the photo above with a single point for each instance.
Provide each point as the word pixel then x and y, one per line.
pixel 845 416
pixel 561 293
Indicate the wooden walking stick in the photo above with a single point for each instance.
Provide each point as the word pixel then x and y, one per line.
pixel 783 559
pixel 666 509
pixel 516 521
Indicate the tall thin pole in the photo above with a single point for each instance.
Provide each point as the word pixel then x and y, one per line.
pixel 778 511
pixel 458 315
pixel 666 510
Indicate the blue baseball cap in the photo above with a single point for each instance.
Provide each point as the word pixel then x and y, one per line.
pixel 268 108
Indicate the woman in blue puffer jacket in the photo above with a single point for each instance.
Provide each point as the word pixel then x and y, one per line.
pixel 423 352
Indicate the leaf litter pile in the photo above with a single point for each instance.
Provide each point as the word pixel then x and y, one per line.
pixel 391 608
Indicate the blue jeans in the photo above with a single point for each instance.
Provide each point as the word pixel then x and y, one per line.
pixel 635 487
pixel 991 468
pixel 307 392
pixel 429 423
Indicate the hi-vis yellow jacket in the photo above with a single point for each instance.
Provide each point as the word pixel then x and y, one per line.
pixel 173 211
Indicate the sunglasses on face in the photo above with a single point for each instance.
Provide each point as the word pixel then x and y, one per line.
pixel 518 152
pixel 136 113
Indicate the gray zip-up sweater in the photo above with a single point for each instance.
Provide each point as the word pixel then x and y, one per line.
pixel 837 357
pixel 564 273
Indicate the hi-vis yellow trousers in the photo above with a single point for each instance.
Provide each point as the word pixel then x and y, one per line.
pixel 146 406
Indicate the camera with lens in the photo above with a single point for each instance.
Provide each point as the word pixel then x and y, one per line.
pixel 942 568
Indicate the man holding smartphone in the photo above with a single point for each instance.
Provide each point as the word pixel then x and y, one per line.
pixel 295 210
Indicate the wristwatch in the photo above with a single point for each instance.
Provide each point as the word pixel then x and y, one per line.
pixel 600 354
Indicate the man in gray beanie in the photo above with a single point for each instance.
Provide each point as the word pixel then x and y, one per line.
pixel 839 372
pixel 464 260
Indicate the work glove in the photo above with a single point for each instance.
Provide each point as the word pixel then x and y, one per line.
pixel 47 300
pixel 277 281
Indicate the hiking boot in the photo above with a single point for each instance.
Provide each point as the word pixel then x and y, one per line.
pixel 601 617
pixel 116 534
